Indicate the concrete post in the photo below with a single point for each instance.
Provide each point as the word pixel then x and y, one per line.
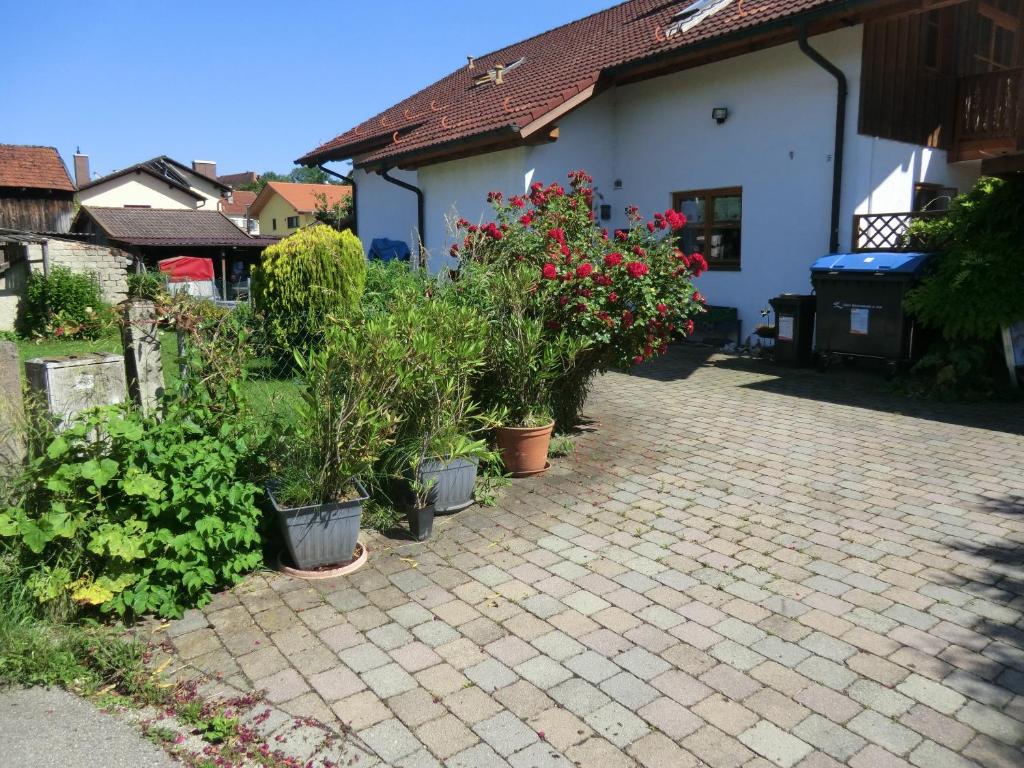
pixel 142 361
pixel 12 410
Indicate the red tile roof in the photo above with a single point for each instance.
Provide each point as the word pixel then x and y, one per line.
pixel 240 203
pixel 301 197
pixel 33 168
pixel 558 65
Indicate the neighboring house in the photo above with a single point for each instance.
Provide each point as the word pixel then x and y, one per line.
pixel 36 193
pixel 724 109
pixel 237 209
pixel 157 183
pixel 284 207
pixel 236 180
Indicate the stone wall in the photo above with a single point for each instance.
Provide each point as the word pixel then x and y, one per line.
pixel 109 266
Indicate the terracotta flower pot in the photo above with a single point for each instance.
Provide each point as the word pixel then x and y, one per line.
pixel 524 450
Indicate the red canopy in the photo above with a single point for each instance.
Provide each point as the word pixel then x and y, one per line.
pixel 182 268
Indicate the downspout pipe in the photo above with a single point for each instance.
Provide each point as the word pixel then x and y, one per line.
pixel 420 214
pixel 837 155
pixel 352 183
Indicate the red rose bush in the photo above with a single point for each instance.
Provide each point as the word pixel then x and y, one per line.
pixel 622 296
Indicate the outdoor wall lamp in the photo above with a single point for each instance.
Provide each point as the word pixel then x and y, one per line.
pixel 720 114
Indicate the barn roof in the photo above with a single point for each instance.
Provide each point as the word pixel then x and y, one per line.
pixel 32 167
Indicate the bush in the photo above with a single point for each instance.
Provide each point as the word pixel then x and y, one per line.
pixel 306 282
pixel 131 514
pixel 147 285
pixel 348 412
pixel 64 304
pixel 137 515
pixel 977 282
pixel 524 357
pixel 444 343
pixel 388 282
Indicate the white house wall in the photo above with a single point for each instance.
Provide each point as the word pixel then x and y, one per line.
pixel 657 137
pixel 139 189
pixel 384 210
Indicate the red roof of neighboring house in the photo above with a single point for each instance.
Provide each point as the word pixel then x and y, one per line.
pixel 302 197
pixel 33 168
pixel 240 203
pixel 558 71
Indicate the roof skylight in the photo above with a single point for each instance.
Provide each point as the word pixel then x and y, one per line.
pixel 693 14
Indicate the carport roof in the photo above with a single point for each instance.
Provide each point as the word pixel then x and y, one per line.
pixel 158 226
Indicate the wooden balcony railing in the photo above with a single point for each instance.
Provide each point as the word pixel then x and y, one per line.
pixel 990 113
pixel 891 231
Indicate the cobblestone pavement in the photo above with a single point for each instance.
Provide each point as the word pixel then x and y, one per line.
pixel 740 567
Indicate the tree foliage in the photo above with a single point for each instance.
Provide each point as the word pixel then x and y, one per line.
pixel 977 284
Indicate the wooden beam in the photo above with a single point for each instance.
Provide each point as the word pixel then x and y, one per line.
pixel 561 110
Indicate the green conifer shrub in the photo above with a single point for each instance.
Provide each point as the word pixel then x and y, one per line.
pixel 305 282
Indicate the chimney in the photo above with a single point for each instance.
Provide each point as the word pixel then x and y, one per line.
pixel 81 170
pixel 499 74
pixel 471 62
pixel 207 168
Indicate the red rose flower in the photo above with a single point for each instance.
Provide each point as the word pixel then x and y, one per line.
pixel 526 219
pixel 650 226
pixel 698 297
pixel 627 319
pixel 621 234
pixel 613 297
pixel 636 269
pixel 662 309
pixel 689 327
pixel 517 201
pixel 638 359
pixel 584 270
pixel 550 271
pixel 494 197
pixel 698 264
pixel 613 259
pixel 454 250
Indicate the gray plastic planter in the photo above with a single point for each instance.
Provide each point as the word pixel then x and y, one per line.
pixel 321 534
pixel 453 483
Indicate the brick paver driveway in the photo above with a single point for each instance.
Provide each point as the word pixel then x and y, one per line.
pixel 738 568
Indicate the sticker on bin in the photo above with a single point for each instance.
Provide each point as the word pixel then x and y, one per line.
pixel 859 320
pixel 785 328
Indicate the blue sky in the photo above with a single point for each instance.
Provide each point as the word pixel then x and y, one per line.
pixel 252 85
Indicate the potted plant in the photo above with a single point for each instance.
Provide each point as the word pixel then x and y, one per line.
pixel 435 453
pixel 343 422
pixel 526 356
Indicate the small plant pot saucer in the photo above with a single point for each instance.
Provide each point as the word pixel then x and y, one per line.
pixel 547 466
pixel 328 571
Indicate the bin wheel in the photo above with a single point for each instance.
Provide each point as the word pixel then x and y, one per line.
pixel 823 363
pixel 891 369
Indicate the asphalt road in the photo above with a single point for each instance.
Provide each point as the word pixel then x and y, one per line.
pixel 50 728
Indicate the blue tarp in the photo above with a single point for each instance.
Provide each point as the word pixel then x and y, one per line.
pixel 882 261
pixel 383 249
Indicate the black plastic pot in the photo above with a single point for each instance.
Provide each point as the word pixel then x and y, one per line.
pixel 321 534
pixel 421 522
pixel 451 483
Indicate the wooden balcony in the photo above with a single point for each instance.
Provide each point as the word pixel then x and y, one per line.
pixel 989 115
